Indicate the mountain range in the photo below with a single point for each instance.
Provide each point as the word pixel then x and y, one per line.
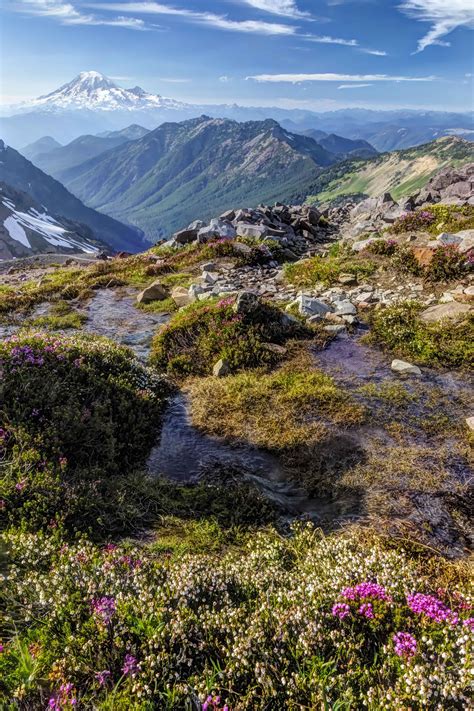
pixel 196 168
pixel 52 197
pixel 26 228
pixel 92 103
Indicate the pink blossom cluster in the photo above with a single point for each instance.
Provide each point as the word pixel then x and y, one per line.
pixel 364 590
pixel 405 645
pixel 213 703
pixel 64 698
pixel 432 607
pixel 104 608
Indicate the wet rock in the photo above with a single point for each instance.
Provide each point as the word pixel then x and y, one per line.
pixel 452 311
pixel 404 368
pixel 154 292
pixel 221 368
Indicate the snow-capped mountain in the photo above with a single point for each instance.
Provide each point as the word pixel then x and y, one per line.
pixel 27 228
pixel 95 92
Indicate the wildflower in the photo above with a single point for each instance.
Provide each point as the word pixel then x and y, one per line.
pixel 3 504
pixel 130 665
pixel 469 623
pixel 341 610
pixel 20 485
pixel 366 610
pixel 2 648
pixel 104 607
pixel 102 677
pixel 364 590
pixel 405 644
pixel 431 607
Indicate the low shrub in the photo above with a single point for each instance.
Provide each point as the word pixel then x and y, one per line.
pixel 404 261
pixel 326 270
pixel 436 218
pixel 76 412
pixel 447 264
pixel 383 247
pixel 196 338
pixel 286 623
pixel 399 329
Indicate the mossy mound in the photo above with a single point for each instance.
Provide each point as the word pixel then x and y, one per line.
pixel 76 413
pixel 202 334
pixel 446 343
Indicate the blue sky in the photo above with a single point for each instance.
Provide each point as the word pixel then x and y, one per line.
pixel 291 53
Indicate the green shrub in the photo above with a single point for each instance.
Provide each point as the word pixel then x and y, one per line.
pixel 302 622
pixel 196 338
pixel 326 270
pixel 399 329
pixel 76 412
pixel 436 218
pixel 405 261
pixel 383 247
pixel 447 264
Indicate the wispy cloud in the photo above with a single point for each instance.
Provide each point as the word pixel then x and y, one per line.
pixel 358 78
pixel 444 16
pixel 203 18
pixel 374 52
pixel 68 14
pixel 285 8
pixel 174 80
pixel 325 39
pixel 353 86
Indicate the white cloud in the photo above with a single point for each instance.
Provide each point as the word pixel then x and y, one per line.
pixel 224 79
pixel 353 86
pixel 375 52
pixel 444 16
pixel 285 8
pixel 204 18
pixel 358 78
pixel 68 14
pixel 325 39
pixel 174 80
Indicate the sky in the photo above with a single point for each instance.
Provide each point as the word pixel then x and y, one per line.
pixel 312 54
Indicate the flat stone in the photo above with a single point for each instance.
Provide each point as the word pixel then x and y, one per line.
pixel 345 308
pixel 154 292
pixel 246 230
pixel 347 279
pixel 404 368
pixel 209 277
pixel 185 236
pixel 308 306
pixel 454 310
pixel 448 238
pixel 336 329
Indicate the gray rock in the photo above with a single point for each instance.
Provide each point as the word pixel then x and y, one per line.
pixel 470 422
pixel 185 236
pixel 208 267
pixel 335 329
pixel 209 277
pixel 308 306
pixel 448 238
pixel 345 308
pixel 452 311
pixel 256 231
pixel 221 368
pixel 404 368
pixel 182 297
pixel 246 303
pixel 154 292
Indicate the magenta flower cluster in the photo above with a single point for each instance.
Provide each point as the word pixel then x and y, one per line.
pixel 213 703
pixel 130 665
pixel 404 644
pixel 361 591
pixel 102 677
pixel 64 698
pixel 104 608
pixel 432 607
pixel 341 610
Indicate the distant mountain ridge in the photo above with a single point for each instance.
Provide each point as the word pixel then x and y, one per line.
pixel 92 103
pixel 26 228
pixel 400 173
pixel 194 168
pixel 22 175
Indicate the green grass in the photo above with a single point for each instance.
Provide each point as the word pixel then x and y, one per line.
pixel 327 270
pixel 399 329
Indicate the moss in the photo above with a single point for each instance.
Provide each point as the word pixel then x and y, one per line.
pixel 284 409
pixel 205 332
pixel 399 329
pixel 164 306
pixel 62 316
pixel 327 270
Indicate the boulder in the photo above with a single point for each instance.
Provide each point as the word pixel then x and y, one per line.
pixel 246 230
pixel 404 368
pixel 307 306
pixel 154 292
pixel 209 277
pixel 246 303
pixel 345 308
pixel 452 311
pixel 181 296
pixel 446 238
pixel 467 240
pixel 185 236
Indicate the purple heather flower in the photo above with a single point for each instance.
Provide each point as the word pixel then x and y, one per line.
pixel 432 607
pixel 469 623
pixel 102 677
pixel 366 610
pixel 104 607
pixel 341 610
pixel 130 665
pixel 405 644
pixel 20 485
pixel 365 590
